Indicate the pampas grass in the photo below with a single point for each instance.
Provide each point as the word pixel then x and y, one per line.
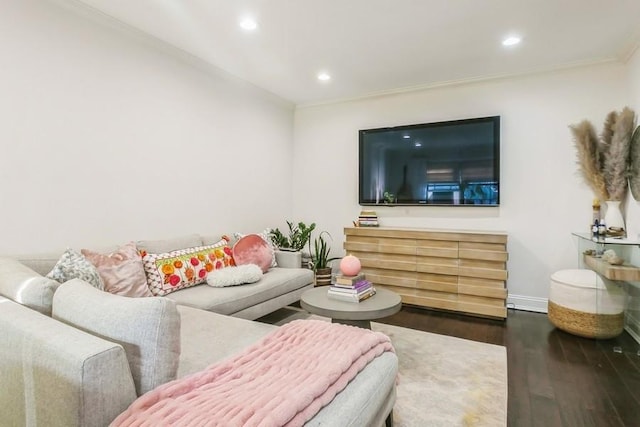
pixel 604 162
pixel 590 161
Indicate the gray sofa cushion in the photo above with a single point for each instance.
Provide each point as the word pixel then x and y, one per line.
pixel 275 282
pixel 23 285
pixel 147 328
pixel 56 375
pixel 208 338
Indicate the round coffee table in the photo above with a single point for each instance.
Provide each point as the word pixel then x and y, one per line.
pixel 384 303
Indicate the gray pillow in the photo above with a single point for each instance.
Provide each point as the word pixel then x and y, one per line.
pixel 147 328
pixel 73 265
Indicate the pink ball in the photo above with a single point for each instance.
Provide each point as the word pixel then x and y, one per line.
pixel 350 265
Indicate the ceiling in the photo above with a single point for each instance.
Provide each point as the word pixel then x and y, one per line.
pixel 379 46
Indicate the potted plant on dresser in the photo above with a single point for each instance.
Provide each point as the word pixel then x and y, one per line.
pixel 320 259
pixel 290 245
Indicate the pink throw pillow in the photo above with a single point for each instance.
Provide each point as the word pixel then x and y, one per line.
pixel 252 249
pixel 122 271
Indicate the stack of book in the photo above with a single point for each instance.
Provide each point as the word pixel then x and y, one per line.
pixel 368 219
pixel 351 288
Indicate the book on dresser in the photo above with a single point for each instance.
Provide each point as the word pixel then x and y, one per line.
pixel 368 219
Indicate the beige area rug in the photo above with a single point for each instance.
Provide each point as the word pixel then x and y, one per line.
pixel 444 381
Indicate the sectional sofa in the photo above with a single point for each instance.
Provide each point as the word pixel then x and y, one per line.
pixel 73 355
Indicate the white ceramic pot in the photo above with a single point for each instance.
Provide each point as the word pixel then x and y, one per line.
pixel 613 216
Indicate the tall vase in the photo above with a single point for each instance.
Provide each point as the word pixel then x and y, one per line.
pixel 613 216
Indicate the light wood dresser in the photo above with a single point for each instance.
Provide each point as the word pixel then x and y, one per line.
pixel 462 271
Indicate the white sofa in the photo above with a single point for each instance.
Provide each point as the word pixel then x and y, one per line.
pixel 84 365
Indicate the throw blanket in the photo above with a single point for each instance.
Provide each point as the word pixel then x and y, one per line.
pixel 283 380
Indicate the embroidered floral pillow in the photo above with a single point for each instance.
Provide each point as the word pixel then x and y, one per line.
pixel 175 270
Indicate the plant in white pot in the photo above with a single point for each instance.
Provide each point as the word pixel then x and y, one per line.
pixel 320 259
pixel 604 161
pixel 290 245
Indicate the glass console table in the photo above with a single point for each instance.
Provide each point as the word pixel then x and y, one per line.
pixel 627 275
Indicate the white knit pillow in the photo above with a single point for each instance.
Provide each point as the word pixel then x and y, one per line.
pixel 232 276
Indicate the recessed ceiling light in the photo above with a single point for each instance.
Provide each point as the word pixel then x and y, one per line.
pixel 248 24
pixel 323 77
pixel 511 41
pixel 418 144
pixel 406 136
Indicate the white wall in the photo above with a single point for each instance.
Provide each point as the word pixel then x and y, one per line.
pixel 543 200
pixel 108 136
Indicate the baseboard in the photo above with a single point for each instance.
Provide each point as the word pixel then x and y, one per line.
pixel 523 302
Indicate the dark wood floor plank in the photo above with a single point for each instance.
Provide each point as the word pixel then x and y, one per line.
pixel 546 412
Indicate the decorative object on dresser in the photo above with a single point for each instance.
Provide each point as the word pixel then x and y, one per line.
pixel 604 162
pixel 368 219
pixel 462 271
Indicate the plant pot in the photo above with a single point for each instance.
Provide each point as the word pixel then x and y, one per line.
pixel 288 259
pixel 306 260
pixel 323 276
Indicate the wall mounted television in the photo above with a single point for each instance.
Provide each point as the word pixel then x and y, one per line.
pixel 453 163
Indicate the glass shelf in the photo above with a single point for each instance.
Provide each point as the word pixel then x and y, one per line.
pixel 626 275
pixel 608 240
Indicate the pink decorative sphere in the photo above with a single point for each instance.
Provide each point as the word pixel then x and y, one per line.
pixel 350 265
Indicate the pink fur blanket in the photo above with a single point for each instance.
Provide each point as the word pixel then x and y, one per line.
pixel 283 380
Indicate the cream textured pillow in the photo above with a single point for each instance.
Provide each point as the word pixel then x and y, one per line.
pixel 147 328
pixel 73 265
pixel 121 271
pixel 233 276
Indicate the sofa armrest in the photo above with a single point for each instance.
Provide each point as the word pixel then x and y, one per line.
pixel 55 375
pixel 25 286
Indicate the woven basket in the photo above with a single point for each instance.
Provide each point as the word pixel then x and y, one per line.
pixel 588 325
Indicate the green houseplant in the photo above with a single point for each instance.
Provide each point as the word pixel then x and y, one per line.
pixel 320 259
pixel 296 239
pixel 290 245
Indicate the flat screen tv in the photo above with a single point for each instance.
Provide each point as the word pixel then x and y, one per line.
pixel 453 163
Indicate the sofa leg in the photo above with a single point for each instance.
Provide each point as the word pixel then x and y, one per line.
pixel 389 421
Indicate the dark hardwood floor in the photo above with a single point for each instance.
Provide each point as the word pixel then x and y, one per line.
pixel 555 379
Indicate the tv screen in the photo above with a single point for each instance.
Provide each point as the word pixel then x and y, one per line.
pixel 453 163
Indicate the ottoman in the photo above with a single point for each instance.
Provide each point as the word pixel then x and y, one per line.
pixel 586 304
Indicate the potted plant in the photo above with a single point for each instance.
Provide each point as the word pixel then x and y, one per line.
pixel 290 245
pixel 320 259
